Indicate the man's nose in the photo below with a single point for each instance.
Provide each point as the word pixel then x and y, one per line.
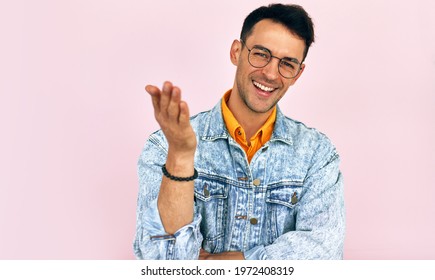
pixel 271 69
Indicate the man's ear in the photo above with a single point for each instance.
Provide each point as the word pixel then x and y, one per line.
pixel 236 49
pixel 298 75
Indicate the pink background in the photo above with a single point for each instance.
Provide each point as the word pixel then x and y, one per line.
pixel 74 115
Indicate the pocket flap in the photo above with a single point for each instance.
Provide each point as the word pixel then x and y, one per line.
pixel 206 190
pixel 287 195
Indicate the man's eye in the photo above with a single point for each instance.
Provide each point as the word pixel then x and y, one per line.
pixel 261 54
pixel 288 64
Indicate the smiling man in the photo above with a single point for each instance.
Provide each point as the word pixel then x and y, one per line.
pixel 242 181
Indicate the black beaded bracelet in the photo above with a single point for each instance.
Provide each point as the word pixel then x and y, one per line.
pixel 180 179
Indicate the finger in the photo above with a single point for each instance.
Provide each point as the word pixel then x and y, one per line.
pixel 184 116
pixel 165 97
pixel 155 96
pixel 152 90
pixel 174 104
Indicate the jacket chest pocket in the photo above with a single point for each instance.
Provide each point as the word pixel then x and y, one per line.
pixel 211 202
pixel 282 202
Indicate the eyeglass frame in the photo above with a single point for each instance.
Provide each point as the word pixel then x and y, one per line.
pixel 272 56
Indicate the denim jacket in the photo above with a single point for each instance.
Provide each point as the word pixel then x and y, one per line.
pixel 287 203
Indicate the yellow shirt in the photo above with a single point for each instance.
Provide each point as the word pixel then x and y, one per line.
pixel 236 131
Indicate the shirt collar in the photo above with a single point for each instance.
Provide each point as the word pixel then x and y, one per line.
pixel 230 121
pixel 233 125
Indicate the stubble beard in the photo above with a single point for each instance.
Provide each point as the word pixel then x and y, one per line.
pixel 244 97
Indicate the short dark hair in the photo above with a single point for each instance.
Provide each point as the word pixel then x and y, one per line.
pixel 294 17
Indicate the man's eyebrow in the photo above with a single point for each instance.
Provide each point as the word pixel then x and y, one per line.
pixel 292 59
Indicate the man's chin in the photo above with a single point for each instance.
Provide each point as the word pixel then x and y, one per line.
pixel 261 109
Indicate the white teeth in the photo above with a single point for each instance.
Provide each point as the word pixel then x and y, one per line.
pixel 264 88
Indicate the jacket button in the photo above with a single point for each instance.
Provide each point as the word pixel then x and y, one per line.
pixel 206 191
pixel 294 198
pixel 253 221
pixel 256 182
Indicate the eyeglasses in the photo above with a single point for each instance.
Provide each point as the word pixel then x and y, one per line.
pixel 259 57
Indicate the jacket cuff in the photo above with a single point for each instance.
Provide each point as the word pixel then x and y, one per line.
pixel 152 222
pixel 152 242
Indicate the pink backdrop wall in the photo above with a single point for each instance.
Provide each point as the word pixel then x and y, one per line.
pixel 74 115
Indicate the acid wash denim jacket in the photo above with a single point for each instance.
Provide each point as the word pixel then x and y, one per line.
pixel 286 204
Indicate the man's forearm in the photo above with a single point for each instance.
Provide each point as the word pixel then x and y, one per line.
pixel 204 255
pixel 175 201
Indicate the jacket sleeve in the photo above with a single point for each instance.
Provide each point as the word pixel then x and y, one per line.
pixel 151 241
pixel 320 218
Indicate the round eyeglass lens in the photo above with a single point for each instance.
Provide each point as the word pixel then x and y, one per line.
pixel 259 57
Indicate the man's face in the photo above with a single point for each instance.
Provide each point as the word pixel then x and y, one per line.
pixel 259 89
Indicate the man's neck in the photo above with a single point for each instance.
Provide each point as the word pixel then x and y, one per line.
pixel 250 121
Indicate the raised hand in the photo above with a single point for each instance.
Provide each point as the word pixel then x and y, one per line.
pixel 172 114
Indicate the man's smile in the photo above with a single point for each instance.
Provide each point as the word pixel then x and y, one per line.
pixel 263 87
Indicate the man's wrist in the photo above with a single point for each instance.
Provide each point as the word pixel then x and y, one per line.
pixel 180 164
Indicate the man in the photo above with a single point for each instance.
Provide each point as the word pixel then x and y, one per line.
pixel 242 181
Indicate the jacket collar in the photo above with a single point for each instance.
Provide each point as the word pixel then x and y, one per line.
pixel 215 126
